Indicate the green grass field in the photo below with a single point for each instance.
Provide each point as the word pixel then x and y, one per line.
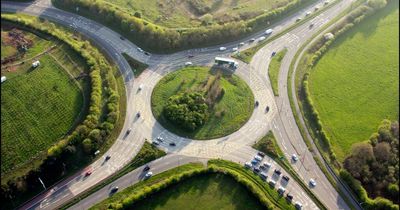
pixel 214 191
pixel 37 108
pixel 237 104
pixel 273 70
pixel 355 84
pixel 191 13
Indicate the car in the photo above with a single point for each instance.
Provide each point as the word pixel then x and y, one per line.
pixel 140 87
pixel 256 170
pixel 138 114
pixel 286 178
pixel 160 139
pixel 247 165
pixel 254 162
pixel 252 40
pixel 88 173
pixel 289 197
pixel 267 109
pixel 267 164
pixel 313 183
pixel 298 205
pixel 263 176
pixel 155 143
pixel 256 104
pixel 295 158
pixel 311 25
pixel 258 158
pixel 122 38
pixel 272 183
pixel 277 172
pixel 108 157
pixel 148 175
pixel 146 168
pixel 268 31
pixel 222 48
pixel 273 53
pixel 241 44
pixel 188 63
pixel 234 49
pixel 190 56
pixel 281 190
pixel 97 152
pixel 308 13
pixel 326 2
pixel 262 167
pixel 298 19
pixel 172 144
pixel 139 49
pixel 147 53
pixel 261 38
pixel 114 189
pixel 261 154
pixel 316 8
pixel 128 131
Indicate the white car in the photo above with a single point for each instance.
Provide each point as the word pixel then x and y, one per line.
pixel 281 190
pixel 258 158
pixel 269 31
pixel 148 175
pixel 140 87
pixel 298 205
pixel 247 165
pixel 241 44
pixel 308 13
pixel 234 49
pixel 294 157
pixel 222 48
pixel 313 183
pixel 267 164
pixel 139 49
pixel 188 63
pixel 261 38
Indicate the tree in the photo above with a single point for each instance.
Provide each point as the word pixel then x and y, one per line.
pixel 377 4
pixel 87 145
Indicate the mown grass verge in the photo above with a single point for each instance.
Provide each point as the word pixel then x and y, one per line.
pixel 147 153
pixel 136 66
pixel 273 70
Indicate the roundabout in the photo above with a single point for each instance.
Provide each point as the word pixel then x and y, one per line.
pixel 228 102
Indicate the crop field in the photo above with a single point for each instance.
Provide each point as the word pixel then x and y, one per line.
pixel 194 13
pixel 355 84
pixel 227 115
pixel 214 191
pixel 39 106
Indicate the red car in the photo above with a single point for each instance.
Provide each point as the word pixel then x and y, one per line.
pixel 88 173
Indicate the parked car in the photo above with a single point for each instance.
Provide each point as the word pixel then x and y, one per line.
pixel 267 164
pixel 286 178
pixel 160 139
pixel 263 176
pixel 261 154
pixel 281 190
pixel 155 143
pixel 172 144
pixel 222 48
pixel 256 170
pixel 247 165
pixel 272 183
pixel 258 158
pixel 289 197
pixel 254 161
pixel 277 172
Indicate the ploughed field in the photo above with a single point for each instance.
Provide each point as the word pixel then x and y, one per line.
pixel 355 84
pixel 38 105
pixel 194 13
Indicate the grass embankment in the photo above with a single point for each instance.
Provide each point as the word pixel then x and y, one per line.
pixel 208 195
pixel 228 114
pixel 355 84
pixel 146 154
pixel 269 146
pixel 136 66
pixel 273 70
pixel 194 13
pixel 39 106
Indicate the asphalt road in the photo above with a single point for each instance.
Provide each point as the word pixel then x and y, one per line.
pixel 235 146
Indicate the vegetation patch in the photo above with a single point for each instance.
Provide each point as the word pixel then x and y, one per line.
pixel 219 103
pixel 355 84
pixel 267 144
pixel 273 70
pixel 136 66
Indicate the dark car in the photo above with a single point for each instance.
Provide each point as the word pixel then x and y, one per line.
pixel 146 53
pixel 267 109
pixel 286 178
pixel 114 190
pixel 146 168
pixel 256 170
pixel 262 154
pixel 277 172
pixel 262 167
pixel 256 104
pixel 155 143
pixel 190 56
pixel 311 25
pixel 172 144
pixel 273 53
pixel 252 40
pixel 128 131
pixel 138 114
pixel 108 157
pixel 122 38
pixel 289 197
pixel 88 173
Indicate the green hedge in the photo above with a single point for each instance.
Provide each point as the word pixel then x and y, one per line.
pixel 160 39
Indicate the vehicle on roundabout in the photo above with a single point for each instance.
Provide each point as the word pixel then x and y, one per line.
pixel 108 157
pixel 313 183
pixel 148 175
pixel 138 114
pixel 114 189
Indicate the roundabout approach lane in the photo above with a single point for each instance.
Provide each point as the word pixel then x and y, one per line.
pixel 233 147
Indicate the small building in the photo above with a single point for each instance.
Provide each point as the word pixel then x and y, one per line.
pixel 35 64
pixel 3 79
pixel 226 61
